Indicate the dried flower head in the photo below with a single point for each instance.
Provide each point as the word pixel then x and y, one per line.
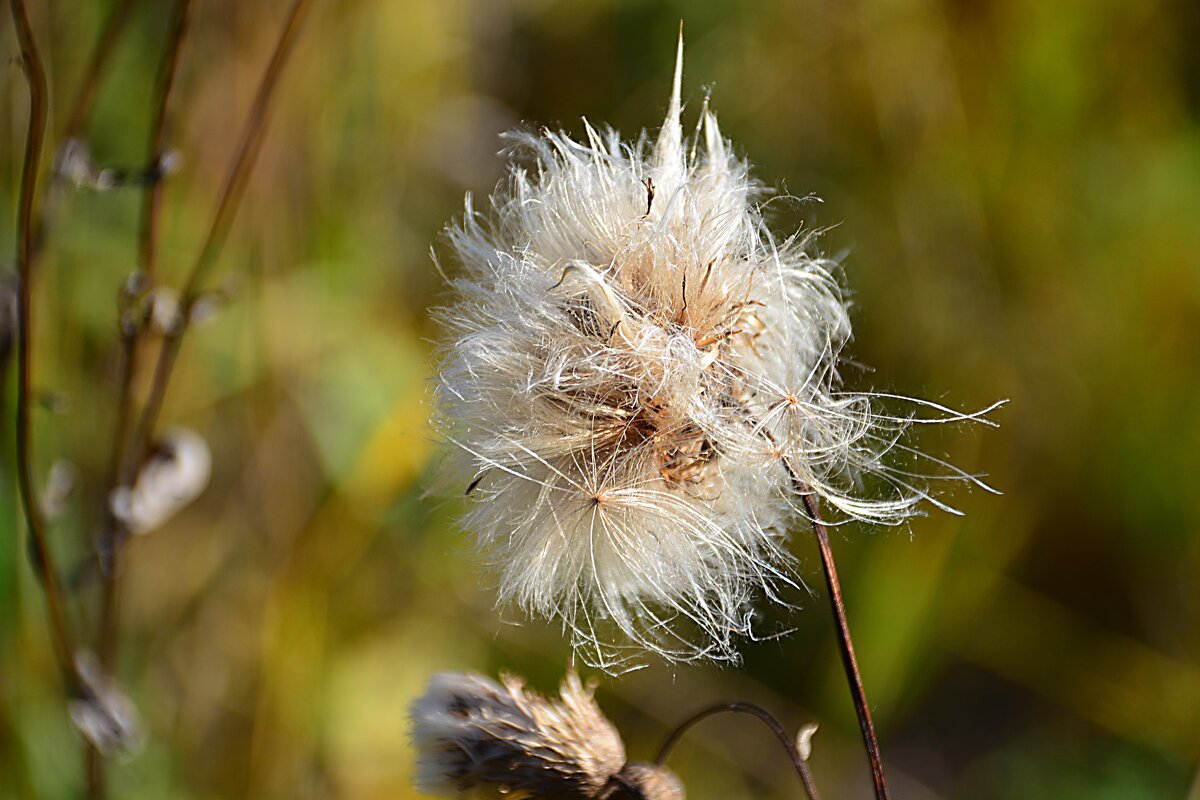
pixel 174 474
pixel 102 712
pixel 643 380
pixel 480 738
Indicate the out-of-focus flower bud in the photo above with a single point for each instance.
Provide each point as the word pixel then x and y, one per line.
pixel 175 473
pixel 102 712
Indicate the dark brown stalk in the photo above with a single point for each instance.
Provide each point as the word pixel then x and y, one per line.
pixel 45 567
pixel 849 662
pixel 81 108
pixel 232 190
pixel 810 788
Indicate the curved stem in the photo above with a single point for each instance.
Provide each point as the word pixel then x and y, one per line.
pixel 845 645
pixel 45 566
pixel 758 712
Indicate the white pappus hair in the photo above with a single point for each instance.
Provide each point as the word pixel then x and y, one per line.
pixel 642 382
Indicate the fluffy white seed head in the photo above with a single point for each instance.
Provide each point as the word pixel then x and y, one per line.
pixel 641 380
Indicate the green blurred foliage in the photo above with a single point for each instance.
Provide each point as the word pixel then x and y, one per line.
pixel 1016 189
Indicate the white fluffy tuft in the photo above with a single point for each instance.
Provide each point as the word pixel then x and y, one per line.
pixel 642 381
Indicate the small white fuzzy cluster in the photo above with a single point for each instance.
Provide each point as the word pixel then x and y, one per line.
pixel 475 737
pixel 102 712
pixel 174 474
pixel 643 383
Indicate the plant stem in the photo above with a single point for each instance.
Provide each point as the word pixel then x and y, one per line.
pixel 232 190
pixel 81 108
pixel 810 788
pixel 44 566
pixel 112 536
pixel 120 470
pixel 253 134
pixel 152 196
pixel 845 645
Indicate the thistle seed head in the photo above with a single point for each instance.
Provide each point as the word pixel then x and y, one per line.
pixel 485 739
pixel 641 379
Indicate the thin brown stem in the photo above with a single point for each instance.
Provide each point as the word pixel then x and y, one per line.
pixel 845 645
pixel 253 133
pixel 85 97
pixel 251 141
pixel 45 566
pixel 152 195
pixel 810 787
pixel 131 329
pixel 227 204
pixel 112 535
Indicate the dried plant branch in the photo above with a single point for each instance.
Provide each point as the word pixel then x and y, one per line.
pixel 130 330
pixel 128 450
pixel 253 134
pixel 152 195
pixel 85 97
pixel 767 718
pixel 232 190
pixel 35 135
pixel 845 645
pixel 112 534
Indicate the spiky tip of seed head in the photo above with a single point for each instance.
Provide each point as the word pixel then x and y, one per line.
pixel 642 379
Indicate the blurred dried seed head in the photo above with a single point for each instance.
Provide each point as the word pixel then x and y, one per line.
pixel 207 305
pixel 485 739
pixel 102 712
pixel 640 380
pixel 60 483
pixel 73 163
pixel 173 475
pixel 162 310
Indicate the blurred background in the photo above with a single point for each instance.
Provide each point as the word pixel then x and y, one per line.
pixel 1015 189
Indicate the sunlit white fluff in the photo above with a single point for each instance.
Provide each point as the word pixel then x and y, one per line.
pixel 642 380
